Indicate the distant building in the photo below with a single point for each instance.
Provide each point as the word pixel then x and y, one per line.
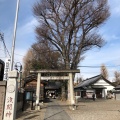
pixel 117 92
pixel 97 84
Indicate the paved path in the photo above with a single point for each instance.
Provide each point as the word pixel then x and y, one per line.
pixel 50 111
pixel 55 112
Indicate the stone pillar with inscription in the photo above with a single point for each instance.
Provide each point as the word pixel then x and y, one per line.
pixel 11 96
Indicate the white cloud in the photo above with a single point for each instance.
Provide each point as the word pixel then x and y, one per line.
pixel 27 27
pixel 115 37
pixel 112 37
pixel 116 10
pixel 25 37
pixel 19 55
pixel 115 7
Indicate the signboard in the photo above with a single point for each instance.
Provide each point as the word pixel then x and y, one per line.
pixel 7 69
pixel 29 96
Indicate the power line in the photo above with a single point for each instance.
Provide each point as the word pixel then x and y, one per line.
pixel 98 66
pixel 2 57
pixel 2 38
pixel 19 54
pixel 110 71
pixel 15 53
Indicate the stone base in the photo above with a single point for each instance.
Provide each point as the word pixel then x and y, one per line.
pixel 41 104
pixel 37 107
pixel 73 107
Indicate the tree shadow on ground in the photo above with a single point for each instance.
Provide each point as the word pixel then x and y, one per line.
pixel 54 115
pixel 29 114
pixel 31 117
pixel 27 111
pixel 47 100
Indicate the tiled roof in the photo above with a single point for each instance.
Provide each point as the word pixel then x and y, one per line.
pixel 1 61
pixel 90 81
pixel 117 87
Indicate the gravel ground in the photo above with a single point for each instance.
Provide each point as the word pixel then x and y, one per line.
pixel 95 110
pixel 86 110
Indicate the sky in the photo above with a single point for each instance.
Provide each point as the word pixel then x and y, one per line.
pixel 109 54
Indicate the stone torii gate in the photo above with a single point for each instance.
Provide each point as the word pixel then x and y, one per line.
pixel 69 78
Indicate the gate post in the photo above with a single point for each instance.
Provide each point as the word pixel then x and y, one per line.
pixel 11 96
pixel 2 98
pixel 72 100
pixel 68 95
pixel 38 91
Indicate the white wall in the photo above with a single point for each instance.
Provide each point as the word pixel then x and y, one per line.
pixel 105 84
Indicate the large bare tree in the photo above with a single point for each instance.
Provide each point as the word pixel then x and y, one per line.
pixel 71 26
pixel 45 57
pixel 27 61
pixel 117 77
pixel 104 71
pixel 42 56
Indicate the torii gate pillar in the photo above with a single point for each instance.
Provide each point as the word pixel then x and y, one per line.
pixel 38 91
pixel 72 100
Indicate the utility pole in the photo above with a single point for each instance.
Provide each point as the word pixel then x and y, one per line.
pixel 14 35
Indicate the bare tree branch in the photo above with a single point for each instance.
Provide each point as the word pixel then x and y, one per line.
pixel 70 25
